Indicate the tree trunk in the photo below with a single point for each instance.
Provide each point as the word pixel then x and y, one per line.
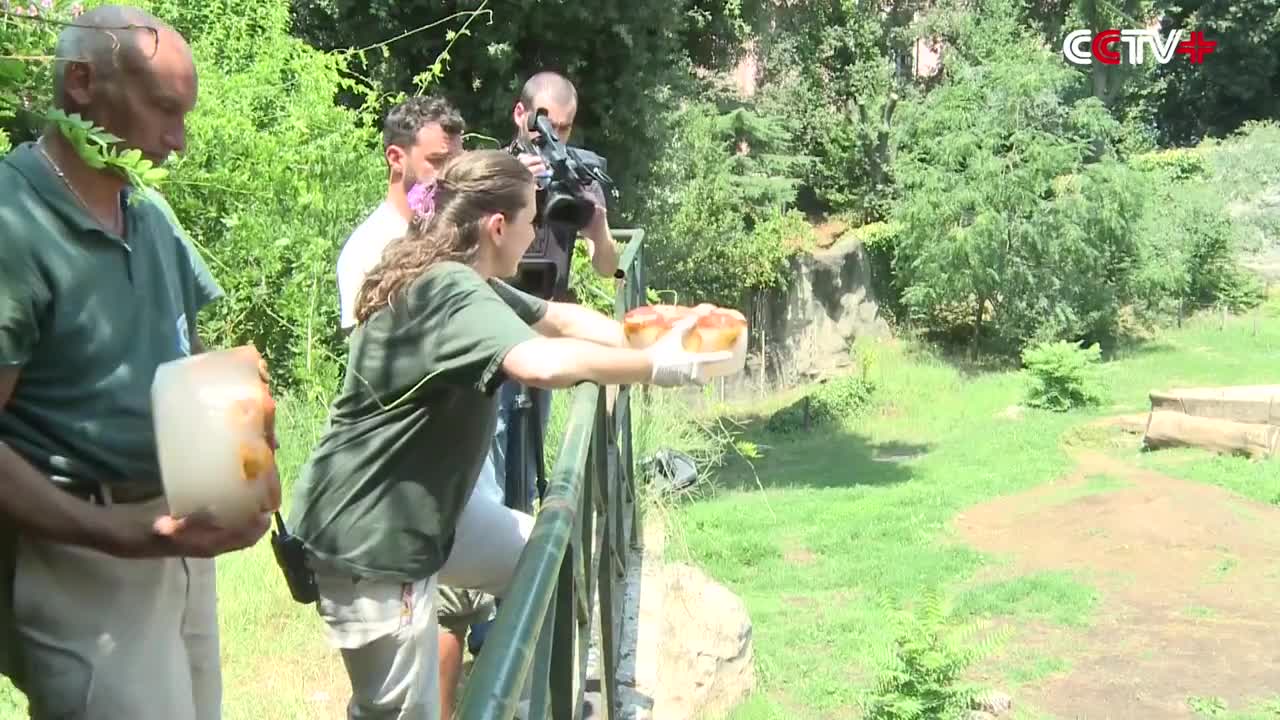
pixel 1173 429
pixel 977 326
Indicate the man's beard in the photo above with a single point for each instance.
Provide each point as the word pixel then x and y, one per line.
pixel 409 181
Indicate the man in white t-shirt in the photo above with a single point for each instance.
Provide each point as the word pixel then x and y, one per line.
pixel 418 137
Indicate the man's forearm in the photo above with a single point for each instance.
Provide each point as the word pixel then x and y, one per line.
pixel 31 502
pixel 567 320
pixel 604 254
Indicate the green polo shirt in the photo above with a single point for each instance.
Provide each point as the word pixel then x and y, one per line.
pixel 381 494
pixel 88 317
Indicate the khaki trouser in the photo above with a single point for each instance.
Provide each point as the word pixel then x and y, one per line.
pixel 386 632
pixel 486 547
pixel 104 638
pixel 458 609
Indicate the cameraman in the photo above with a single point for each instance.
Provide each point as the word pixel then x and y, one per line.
pixel 552 251
pixel 552 92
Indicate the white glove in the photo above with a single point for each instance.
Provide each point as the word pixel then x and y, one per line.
pixel 673 365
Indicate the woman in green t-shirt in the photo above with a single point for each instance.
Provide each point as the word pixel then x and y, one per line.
pixel 378 501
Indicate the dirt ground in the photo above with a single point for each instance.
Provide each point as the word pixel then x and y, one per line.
pixel 1189 580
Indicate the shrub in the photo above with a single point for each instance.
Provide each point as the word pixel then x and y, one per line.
pixel 1245 172
pixel 28 29
pixel 828 403
pixel 923 677
pixel 1062 375
pixel 1173 164
pixel 1191 250
pixel 588 287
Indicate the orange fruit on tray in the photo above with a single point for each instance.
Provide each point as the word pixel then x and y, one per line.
pixel 715 331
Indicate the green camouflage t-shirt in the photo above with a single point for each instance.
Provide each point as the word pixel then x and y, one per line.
pixel 381 494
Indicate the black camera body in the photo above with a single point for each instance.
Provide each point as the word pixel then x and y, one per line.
pixel 564 205
pixel 562 196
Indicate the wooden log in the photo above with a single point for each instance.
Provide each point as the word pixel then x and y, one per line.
pixel 1174 429
pixel 1242 404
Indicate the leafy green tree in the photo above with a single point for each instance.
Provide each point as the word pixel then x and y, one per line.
pixel 276 175
pixel 832 70
pixel 721 225
pixel 1016 217
pixel 595 43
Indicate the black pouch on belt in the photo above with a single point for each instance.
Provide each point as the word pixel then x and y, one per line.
pixel 291 556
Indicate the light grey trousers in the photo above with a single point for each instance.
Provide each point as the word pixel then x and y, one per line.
pixel 386 632
pixel 105 638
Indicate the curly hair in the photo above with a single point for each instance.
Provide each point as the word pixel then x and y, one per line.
pixel 402 124
pixel 471 187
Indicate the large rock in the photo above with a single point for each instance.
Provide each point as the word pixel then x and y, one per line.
pixel 685 642
pixel 806 329
pixel 705 663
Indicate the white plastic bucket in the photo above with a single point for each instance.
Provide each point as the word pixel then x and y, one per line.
pixel 208 415
pixel 733 365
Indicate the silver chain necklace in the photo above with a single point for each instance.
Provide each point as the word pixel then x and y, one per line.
pixel 118 221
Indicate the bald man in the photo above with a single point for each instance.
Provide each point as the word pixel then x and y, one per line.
pixel 553 245
pixel 108 603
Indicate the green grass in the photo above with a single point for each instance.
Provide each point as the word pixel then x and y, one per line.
pixel 1092 485
pixel 1209 706
pixel 1055 597
pixel 834 533
pixel 1200 612
pixel 1033 667
pixel 873 531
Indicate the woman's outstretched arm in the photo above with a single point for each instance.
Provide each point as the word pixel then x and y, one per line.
pixel 557 362
pixel 566 320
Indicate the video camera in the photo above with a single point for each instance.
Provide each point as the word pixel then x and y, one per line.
pixel 562 202
pixel 562 197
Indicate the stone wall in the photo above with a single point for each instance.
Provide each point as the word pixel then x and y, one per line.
pixel 806 329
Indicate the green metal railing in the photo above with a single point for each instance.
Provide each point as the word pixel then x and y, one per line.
pixel 585 528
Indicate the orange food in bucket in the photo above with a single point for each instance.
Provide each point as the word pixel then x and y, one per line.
pixel 255 459
pixel 215 431
pixel 716 331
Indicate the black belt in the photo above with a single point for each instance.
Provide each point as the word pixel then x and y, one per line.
pixel 107 494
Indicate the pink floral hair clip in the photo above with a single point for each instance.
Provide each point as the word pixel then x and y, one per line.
pixel 422 198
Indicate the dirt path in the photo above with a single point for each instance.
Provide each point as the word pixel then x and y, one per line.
pixel 1189 577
